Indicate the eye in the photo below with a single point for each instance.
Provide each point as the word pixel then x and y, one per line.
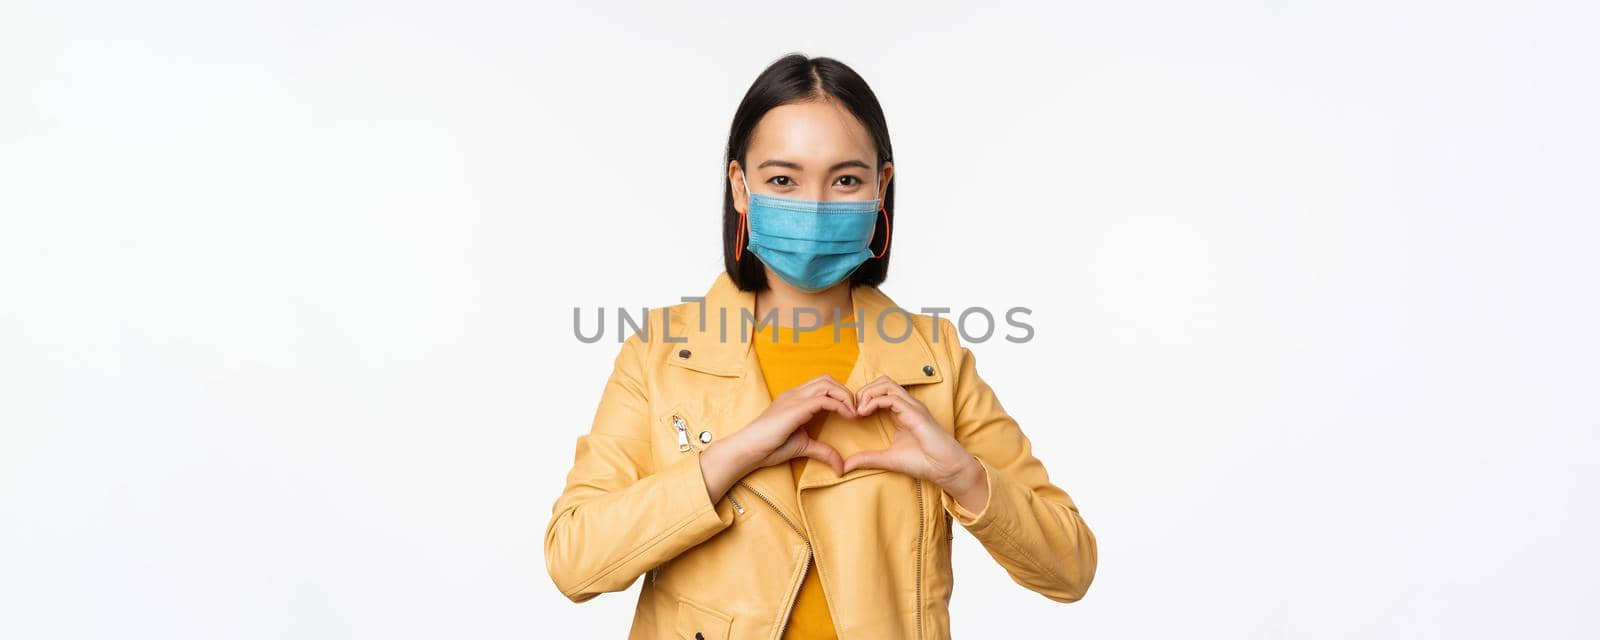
pixel 849 181
pixel 775 180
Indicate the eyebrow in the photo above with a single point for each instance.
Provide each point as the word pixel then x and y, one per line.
pixel 797 167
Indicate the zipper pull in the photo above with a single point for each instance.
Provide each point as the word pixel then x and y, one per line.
pixel 683 433
pixel 739 508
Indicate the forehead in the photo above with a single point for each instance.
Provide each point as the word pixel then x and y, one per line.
pixel 824 132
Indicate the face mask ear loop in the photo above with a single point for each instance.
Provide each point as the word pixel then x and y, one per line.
pixel 885 231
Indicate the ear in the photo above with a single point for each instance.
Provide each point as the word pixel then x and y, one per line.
pixel 884 176
pixel 741 200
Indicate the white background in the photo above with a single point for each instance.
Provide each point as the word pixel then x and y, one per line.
pixel 286 292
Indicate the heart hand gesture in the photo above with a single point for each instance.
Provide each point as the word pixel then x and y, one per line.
pixel 921 448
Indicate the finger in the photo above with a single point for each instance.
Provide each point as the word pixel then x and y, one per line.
pixel 834 383
pixel 873 459
pixel 817 450
pixel 819 403
pixel 880 380
pixel 894 389
pixel 825 378
pixel 884 385
pixel 875 403
pixel 803 389
pixel 903 412
pixel 835 391
pixel 872 390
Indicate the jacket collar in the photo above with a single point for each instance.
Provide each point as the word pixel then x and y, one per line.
pixel 716 335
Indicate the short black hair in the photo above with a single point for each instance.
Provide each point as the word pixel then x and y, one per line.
pixel 797 78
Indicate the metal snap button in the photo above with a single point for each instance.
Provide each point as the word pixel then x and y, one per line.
pixel 927 370
pixel 705 436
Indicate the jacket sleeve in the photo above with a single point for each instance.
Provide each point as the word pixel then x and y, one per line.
pixel 617 517
pixel 1030 526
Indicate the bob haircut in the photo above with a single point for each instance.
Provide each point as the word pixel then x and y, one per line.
pixel 796 78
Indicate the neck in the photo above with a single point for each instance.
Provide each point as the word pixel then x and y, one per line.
pixel 816 308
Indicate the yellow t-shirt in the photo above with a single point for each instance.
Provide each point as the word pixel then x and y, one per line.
pixel 785 365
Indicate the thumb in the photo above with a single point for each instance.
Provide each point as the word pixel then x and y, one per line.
pixel 820 451
pixel 874 459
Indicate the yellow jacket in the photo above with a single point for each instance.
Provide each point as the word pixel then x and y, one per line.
pixel 635 501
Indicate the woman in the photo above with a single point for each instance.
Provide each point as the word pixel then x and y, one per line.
pixel 784 458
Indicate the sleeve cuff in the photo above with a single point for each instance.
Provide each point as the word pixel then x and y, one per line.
pixel 966 517
pixel 690 480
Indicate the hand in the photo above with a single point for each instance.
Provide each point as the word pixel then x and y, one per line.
pixel 778 435
pixel 921 448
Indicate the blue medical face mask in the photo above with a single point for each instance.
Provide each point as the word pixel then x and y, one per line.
pixel 812 244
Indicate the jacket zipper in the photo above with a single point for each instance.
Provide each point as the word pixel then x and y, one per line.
pixel 921 524
pixel 738 508
pixel 683 432
pixel 810 555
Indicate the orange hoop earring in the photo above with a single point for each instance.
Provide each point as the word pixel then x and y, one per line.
pixel 738 242
pixel 886 234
